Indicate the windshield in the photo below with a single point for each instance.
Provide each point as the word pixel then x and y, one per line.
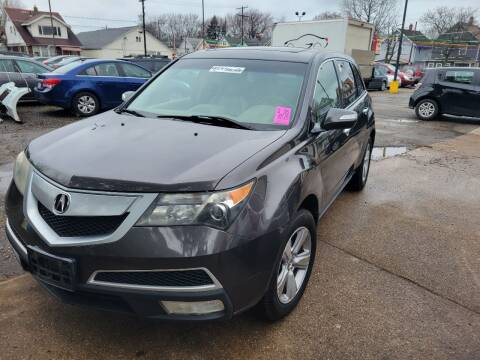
pixel 261 94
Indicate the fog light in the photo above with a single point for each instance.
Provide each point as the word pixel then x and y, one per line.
pixel 192 307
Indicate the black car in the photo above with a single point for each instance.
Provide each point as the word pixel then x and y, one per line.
pixel 197 198
pixel 378 81
pixel 452 91
pixel 152 63
pixel 21 71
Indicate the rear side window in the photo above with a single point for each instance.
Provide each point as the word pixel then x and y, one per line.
pixel 327 91
pixel 358 80
pixel 90 71
pixel 106 69
pixel 6 65
pixel 347 82
pixel 459 76
pixel 131 70
pixel 30 68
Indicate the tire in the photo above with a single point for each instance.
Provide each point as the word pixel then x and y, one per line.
pixel 427 109
pixel 277 304
pixel 360 177
pixel 85 104
pixel 384 86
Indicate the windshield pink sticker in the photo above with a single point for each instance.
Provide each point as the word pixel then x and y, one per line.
pixel 282 115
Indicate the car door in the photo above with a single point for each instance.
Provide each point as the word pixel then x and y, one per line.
pixel 328 144
pixel 29 72
pixel 9 73
pixel 458 92
pixel 108 81
pixel 133 76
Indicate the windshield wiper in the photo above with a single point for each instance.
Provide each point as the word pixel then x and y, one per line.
pixel 128 111
pixel 209 119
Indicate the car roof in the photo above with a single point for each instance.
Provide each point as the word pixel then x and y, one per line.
pixel 291 54
pixel 15 57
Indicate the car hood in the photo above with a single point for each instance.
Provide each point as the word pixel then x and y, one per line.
pixel 113 152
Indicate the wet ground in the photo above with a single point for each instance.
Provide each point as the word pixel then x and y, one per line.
pixel 397 273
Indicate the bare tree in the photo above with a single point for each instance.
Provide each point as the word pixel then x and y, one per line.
pixel 256 24
pixel 441 19
pixel 328 15
pixel 173 28
pixel 380 13
pixel 391 41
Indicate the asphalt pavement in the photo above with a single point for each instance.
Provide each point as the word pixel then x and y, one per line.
pixel 397 273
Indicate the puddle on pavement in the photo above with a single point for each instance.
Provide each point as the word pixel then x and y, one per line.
pixel 5 177
pixel 408 121
pixel 383 152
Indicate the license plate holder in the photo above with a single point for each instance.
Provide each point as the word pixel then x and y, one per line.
pixel 51 269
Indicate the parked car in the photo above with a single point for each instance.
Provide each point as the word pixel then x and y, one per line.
pixel 404 79
pixel 90 86
pixel 151 63
pixel 415 72
pixel 452 91
pixel 40 58
pixel 68 60
pixel 196 199
pixel 55 59
pixel 382 70
pixel 22 71
pixel 378 81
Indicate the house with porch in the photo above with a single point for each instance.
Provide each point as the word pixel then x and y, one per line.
pixel 31 32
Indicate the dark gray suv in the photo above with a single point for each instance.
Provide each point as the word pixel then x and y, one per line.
pixel 199 196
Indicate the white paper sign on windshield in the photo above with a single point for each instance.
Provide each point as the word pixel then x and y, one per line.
pixel 227 69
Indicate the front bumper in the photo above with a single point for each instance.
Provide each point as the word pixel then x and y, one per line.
pixel 243 269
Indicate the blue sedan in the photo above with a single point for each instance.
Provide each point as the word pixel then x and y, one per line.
pixel 89 86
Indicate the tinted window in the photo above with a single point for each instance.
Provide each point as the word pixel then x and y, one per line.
pixel 358 80
pixel 90 71
pixel 6 65
pixel 262 94
pixel 30 67
pixel 135 71
pixel 459 76
pixel 347 81
pixel 327 91
pixel 106 69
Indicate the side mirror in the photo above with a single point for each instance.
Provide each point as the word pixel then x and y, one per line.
pixel 127 95
pixel 339 119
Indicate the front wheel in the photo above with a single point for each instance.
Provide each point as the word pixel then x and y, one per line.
pixel 427 109
pixel 85 104
pixel 293 269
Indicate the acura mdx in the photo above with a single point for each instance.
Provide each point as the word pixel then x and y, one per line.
pixel 199 196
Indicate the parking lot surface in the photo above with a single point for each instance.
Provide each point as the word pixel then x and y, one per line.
pixel 397 273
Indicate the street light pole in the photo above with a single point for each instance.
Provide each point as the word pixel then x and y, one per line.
pixel 300 15
pixel 242 16
pixel 53 32
pixel 143 25
pixel 400 41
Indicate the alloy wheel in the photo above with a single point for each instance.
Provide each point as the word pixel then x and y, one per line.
pixel 426 109
pixel 86 104
pixel 294 265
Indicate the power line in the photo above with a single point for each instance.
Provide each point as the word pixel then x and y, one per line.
pixel 99 19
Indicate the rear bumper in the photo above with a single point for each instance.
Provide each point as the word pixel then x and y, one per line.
pixel 51 98
pixel 243 271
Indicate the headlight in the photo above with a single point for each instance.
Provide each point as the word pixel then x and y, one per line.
pixel 217 209
pixel 21 171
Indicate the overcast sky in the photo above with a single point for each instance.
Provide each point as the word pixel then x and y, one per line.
pixel 127 10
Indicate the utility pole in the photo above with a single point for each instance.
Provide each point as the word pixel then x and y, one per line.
pixel 242 16
pixel 203 24
pixel 53 32
pixel 400 41
pixel 143 25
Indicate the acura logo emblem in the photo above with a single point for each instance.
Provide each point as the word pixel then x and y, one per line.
pixel 62 202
